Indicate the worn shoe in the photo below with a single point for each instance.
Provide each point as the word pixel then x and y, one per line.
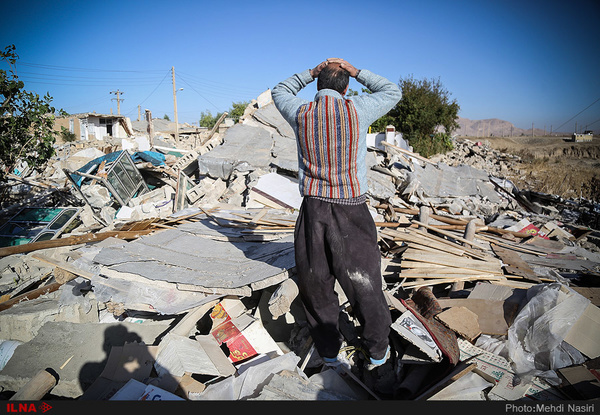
pixel 373 363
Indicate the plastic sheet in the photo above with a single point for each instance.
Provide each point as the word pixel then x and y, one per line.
pixel 535 343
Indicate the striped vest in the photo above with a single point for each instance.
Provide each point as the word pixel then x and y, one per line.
pixel 328 143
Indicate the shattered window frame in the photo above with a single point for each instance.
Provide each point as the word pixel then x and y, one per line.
pixel 34 224
pixel 123 180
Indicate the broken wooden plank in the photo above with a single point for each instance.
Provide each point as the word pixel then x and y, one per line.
pixel 437 281
pixel 37 387
pixel 30 295
pixel 449 234
pixel 408 153
pixel 456 262
pixel 76 272
pixel 73 240
pixel 460 221
pixel 507 245
pixel 422 240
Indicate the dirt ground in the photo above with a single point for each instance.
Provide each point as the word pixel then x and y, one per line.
pixel 554 165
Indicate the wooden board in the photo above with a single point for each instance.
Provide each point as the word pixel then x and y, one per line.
pixel 514 263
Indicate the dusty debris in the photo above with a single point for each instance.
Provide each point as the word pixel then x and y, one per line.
pixel 172 276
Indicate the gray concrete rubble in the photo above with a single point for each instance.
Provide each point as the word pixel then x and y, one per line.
pixel 188 290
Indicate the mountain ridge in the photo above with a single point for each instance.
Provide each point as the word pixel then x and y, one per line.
pixel 494 127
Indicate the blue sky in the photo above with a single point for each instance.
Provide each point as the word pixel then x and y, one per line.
pixel 527 62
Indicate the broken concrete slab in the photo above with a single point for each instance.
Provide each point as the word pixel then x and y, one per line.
pixel 76 351
pixel 457 181
pixel 23 320
pixel 201 264
pixel 462 320
pixel 270 116
pixel 381 186
pixel 285 153
pixel 136 292
pixel 244 148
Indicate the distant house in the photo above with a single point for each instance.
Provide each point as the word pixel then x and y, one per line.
pixel 92 126
pixel 580 138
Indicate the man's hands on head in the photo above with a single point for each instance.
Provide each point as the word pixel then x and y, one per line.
pixel 317 69
pixel 345 65
pixel 338 61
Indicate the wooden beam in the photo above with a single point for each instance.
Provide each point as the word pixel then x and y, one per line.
pixel 30 295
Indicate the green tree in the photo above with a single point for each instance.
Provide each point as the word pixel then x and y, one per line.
pixel 237 110
pixel 26 121
pixel 425 106
pixel 166 117
pixel 208 120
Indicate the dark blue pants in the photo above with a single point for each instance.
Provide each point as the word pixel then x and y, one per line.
pixel 339 242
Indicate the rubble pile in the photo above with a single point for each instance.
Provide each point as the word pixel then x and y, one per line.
pixel 150 268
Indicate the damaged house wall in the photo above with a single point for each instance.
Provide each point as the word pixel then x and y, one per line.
pixel 92 126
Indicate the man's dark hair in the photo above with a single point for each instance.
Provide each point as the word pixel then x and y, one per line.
pixel 333 77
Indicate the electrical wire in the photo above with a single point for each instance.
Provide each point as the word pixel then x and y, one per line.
pixel 153 91
pixel 557 129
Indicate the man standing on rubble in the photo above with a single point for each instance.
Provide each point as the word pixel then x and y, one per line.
pixel 335 236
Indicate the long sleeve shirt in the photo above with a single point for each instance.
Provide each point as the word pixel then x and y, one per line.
pixel 331 132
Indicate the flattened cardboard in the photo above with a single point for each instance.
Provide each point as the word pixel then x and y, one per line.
pixel 584 335
pixel 462 320
pixel 493 316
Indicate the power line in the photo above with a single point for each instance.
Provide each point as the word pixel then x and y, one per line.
pixel 67 68
pixel 577 114
pixel 592 123
pixel 193 89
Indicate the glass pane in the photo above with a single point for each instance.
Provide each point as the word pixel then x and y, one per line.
pixel 64 217
pixel 45 236
pixel 37 214
pixel 118 173
pixel 113 179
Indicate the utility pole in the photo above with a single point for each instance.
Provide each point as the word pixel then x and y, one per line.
pixel 118 94
pixel 139 112
pixel 175 105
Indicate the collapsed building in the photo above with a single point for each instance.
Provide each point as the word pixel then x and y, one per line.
pixel 145 267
